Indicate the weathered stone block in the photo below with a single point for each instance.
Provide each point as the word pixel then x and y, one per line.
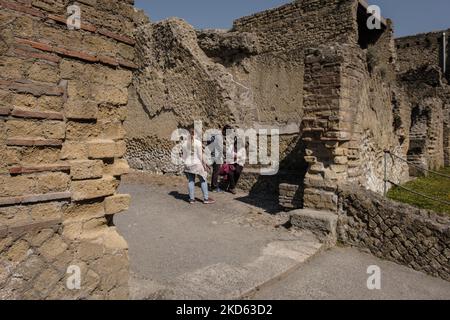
pixel 52 182
pixel 88 251
pixel 46 211
pixel 81 212
pixel 319 199
pixel 111 95
pixel 121 149
pixel 16 186
pixel 80 131
pixel 101 149
pixel 117 203
pixel 43 72
pixel 111 130
pixel 35 129
pixel 323 224
pixel 81 110
pixel 118 168
pixel 74 150
pixel 45 281
pixel 341 160
pixel 18 252
pixel 86 169
pixel 91 189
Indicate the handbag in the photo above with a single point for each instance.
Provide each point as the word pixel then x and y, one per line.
pixel 225 169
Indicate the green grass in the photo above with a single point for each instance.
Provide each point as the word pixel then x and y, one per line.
pixel 433 186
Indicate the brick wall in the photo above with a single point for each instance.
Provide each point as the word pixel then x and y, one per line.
pixel 302 23
pixel 63 97
pixel 344 142
pixel 394 231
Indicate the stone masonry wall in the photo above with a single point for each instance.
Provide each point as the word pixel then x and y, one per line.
pixel 420 50
pixel 421 72
pixel 398 232
pixel 276 73
pixel 301 24
pixel 176 85
pixel 343 142
pixel 446 130
pixel 250 74
pixel 63 97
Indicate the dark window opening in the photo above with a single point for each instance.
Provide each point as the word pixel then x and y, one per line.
pixel 366 36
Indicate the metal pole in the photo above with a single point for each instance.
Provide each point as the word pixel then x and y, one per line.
pixel 444 53
pixel 385 172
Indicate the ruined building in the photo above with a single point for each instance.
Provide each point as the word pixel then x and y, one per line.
pixel 340 94
pixel 425 72
pixel 74 104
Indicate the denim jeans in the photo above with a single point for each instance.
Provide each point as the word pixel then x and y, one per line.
pixel 204 184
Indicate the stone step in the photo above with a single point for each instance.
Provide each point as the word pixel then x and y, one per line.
pixel 224 281
pixel 323 224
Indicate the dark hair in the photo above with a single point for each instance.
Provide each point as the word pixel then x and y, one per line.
pixel 225 129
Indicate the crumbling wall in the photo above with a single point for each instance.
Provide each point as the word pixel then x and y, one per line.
pixel 63 96
pixel 422 50
pixel 300 24
pixel 337 81
pixel 276 73
pixel 250 74
pixel 394 231
pixel 427 137
pixel 421 72
pixel 176 85
pixel 350 119
pixel 446 131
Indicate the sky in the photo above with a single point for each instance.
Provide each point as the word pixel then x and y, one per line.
pixel 409 16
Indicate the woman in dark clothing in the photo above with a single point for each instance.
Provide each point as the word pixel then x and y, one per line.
pixel 237 166
pixel 217 165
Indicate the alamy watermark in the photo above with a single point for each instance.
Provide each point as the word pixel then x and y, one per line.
pixel 74 279
pixel 374 21
pixel 74 17
pixel 251 146
pixel 374 280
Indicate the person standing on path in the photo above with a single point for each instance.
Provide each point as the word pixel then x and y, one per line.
pixel 219 162
pixel 194 166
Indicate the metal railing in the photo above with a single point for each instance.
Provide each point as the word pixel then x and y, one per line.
pixel 386 179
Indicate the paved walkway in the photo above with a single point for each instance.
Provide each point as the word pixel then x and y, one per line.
pixel 341 273
pixel 232 248
pixel 225 250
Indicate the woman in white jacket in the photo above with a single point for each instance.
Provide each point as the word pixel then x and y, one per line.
pixel 194 165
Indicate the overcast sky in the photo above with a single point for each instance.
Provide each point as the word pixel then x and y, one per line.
pixel 410 16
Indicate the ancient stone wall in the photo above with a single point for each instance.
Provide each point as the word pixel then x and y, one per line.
pixel 276 74
pixel 343 142
pixel 398 232
pixel 446 130
pixel 415 52
pixel 176 85
pixel 63 96
pixel 302 24
pixel 250 74
pixel 421 72
pixel 337 81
